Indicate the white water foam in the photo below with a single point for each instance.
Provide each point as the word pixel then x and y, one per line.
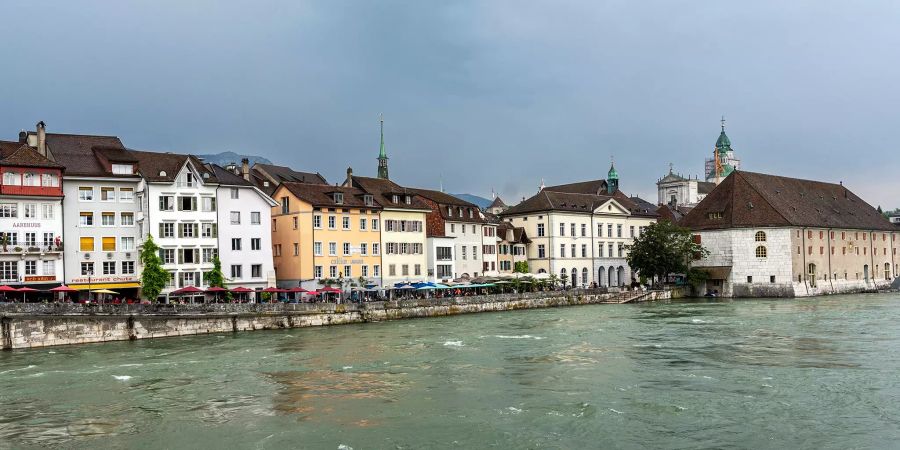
pixel 344 447
pixel 514 410
pixel 30 366
pixel 453 344
pixel 346 367
pixel 617 412
pixel 122 377
pixel 524 336
pixel 698 321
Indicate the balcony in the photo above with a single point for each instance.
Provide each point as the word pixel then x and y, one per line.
pixel 14 249
pixel 45 191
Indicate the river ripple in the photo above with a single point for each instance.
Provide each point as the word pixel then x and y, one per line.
pixel 811 373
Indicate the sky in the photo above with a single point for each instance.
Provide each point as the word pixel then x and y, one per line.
pixel 479 96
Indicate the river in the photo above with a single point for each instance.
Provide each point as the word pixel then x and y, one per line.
pixel 807 373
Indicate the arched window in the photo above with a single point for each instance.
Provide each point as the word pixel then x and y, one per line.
pixel 584 275
pixel 761 251
pixel 760 236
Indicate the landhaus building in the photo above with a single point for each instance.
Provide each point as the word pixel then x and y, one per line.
pixel 31 223
pixel 774 236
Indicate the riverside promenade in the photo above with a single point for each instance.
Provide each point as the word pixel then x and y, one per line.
pixel 27 325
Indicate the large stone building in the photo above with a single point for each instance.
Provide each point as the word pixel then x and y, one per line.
pixel 773 236
pixel 580 231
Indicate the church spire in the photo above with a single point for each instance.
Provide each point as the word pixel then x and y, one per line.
pixel 382 155
pixel 612 177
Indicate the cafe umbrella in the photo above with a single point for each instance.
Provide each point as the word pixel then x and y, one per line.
pixel 5 289
pixel 216 290
pixel 24 290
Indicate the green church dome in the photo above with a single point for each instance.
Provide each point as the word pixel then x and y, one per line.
pixel 612 175
pixel 723 143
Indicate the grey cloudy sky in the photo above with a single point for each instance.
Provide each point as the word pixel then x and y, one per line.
pixel 484 94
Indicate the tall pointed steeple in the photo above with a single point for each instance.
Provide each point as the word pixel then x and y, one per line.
pixel 382 155
pixel 612 178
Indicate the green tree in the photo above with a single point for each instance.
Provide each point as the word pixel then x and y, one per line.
pixel 521 267
pixel 215 277
pixel 553 280
pixel 664 248
pixel 564 279
pixel 153 278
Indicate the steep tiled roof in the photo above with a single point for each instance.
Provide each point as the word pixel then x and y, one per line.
pixel 383 191
pixel 322 195
pixel 748 199
pixel 164 167
pixel 558 201
pixel 21 155
pixel 510 233
pixel 636 205
pixel 705 187
pixel 77 153
pixel 596 187
pixel 497 203
pixel 442 197
pixel 444 200
pixel 223 176
pixel 280 174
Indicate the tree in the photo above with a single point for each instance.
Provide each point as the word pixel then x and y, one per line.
pixel 564 279
pixel 553 280
pixel 663 248
pixel 521 267
pixel 215 277
pixel 153 278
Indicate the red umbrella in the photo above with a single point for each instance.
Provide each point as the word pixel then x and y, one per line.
pixel 63 288
pixel 330 289
pixel 241 290
pixel 273 290
pixel 187 290
pixel 6 288
pixel 297 289
pixel 23 290
pixel 217 289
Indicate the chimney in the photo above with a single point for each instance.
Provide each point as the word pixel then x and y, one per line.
pixel 23 137
pixel 41 138
pixel 349 182
pixel 245 168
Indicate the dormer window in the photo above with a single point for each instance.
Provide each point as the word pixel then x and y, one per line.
pixel 408 199
pixel 715 215
pixel 449 211
pixel 470 214
pixel 339 198
pixel 460 210
pixel 369 201
pixel 395 198
pixel 189 179
pixel 123 169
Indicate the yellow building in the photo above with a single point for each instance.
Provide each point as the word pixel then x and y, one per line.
pixel 322 232
pixel 403 214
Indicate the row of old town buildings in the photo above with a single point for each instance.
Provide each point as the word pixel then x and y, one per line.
pixel 77 209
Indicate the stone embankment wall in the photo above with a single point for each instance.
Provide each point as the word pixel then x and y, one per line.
pixel 40 325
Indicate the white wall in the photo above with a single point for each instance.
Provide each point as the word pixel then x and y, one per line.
pixel 248 202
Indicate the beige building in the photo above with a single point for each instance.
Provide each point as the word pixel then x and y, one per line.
pixel 772 236
pixel 403 239
pixel 512 247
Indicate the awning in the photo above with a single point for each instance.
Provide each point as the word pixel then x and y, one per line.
pixel 84 287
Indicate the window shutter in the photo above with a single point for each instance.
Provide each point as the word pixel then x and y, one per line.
pixel 180 256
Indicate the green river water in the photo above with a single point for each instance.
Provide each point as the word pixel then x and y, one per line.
pixel 810 373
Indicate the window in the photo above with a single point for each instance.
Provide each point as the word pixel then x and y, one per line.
pixel 235 217
pixel 771 278
pixel 208 204
pixel 30 239
pixel 127 244
pixel 346 248
pixel 109 267
pixel 562 250
pixel 317 248
pixel 48 267
pixel 210 253
pixel 332 222
pixel 374 224
pixel 296 249
pixel 619 230
pixel 541 251
pixel 584 230
pixel 167 255
pixel 85 194
pixel 255 218
pixel 392 270
pixel 209 230
pixel 187 230
pixel 760 236
pixel 317 271
pixel 107 194
pixel 584 250
pixel 236 244
pixel 474 252
pixel 317 221
pixel 540 230
pixel 443 271
pixel 363 248
pixel 46 211
pixel 108 219
pixel 348 273
pixel 375 248
pixel 368 200
pixel 9 210
pixel 345 222
pixel 235 193
pixel 364 271
pixel 463 252
pixel 86 219
pixel 332 249
pixel 761 251
pixel 749 279
pixel 48 239
pixel 332 271
pixel 167 203
pixel 86 244
pixel 453 228
pixel 339 198
pixel 573 230
pixel 256 271
pixel 126 194
pixel 362 224
pixel 609 228
pixel 236 271
pixel 376 270
pixel 127 267
pixel 108 243
pixel 30 210
pixel 286 208
pixel 126 219
pixel 187 203
pixel 404 270
pixel 562 229
pixel 296 222
pixel 255 243
pixel 30 267
pixel 87 268
pixel 715 215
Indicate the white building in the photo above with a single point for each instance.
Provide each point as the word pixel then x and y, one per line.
pixel 30 216
pixel 245 235
pixel 455 220
pixel 675 190
pixel 100 210
pixel 178 195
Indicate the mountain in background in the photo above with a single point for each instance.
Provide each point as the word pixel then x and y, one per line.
pixel 480 201
pixel 226 158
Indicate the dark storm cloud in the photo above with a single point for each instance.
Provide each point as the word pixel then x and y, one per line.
pixel 480 94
